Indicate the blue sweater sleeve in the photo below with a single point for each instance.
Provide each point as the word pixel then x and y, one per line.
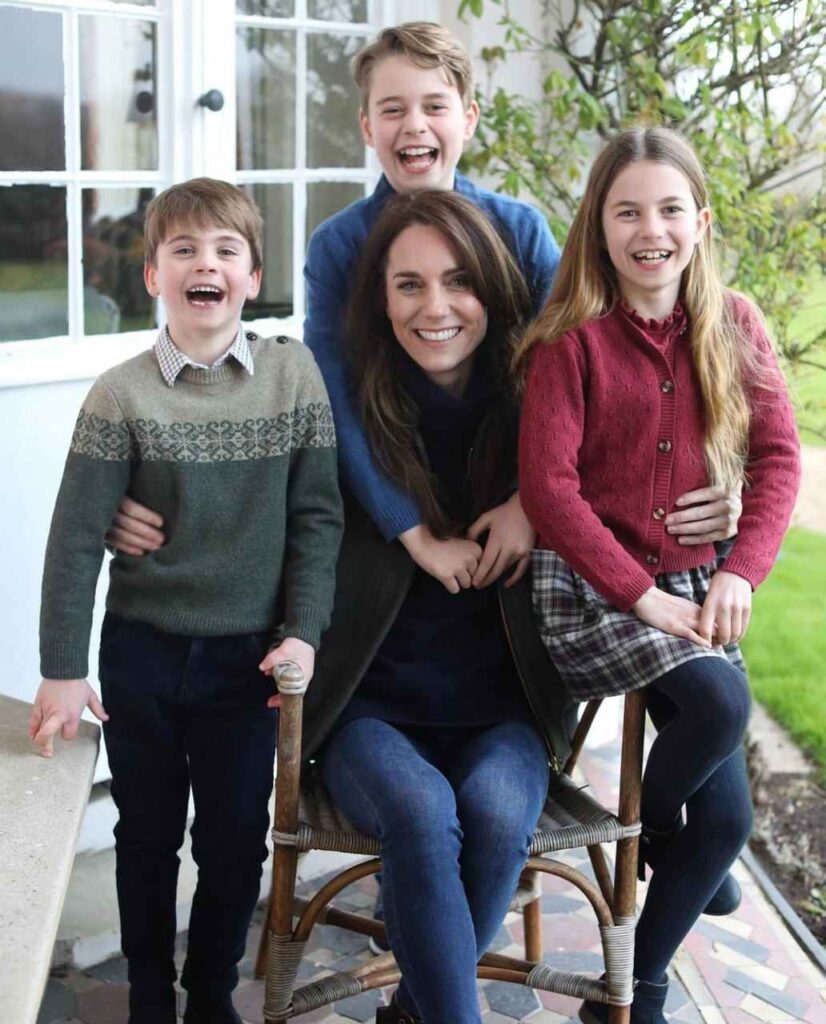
pixel 540 258
pixel 330 260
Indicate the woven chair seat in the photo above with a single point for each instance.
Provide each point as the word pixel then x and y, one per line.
pixel 571 818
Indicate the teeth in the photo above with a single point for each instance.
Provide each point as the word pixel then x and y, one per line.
pixel 651 255
pixel 444 335
pixel 205 288
pixel 416 151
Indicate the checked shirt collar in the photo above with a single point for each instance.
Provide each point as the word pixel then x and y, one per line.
pixel 172 360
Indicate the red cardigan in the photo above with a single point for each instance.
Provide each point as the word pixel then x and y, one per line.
pixel 612 433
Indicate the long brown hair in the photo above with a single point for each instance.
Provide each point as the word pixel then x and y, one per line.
pixel 390 414
pixel 586 287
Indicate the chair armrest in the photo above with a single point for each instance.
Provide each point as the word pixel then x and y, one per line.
pixel 289 678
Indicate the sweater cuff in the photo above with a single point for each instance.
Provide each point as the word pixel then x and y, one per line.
pixel 748 569
pixel 303 624
pixel 625 599
pixel 63 660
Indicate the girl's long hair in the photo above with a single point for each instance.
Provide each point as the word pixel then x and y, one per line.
pixel 390 414
pixel 586 287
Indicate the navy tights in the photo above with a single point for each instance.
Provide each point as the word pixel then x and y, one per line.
pixel 697 761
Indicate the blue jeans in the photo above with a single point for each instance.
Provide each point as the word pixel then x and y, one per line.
pixel 455 811
pixel 186 711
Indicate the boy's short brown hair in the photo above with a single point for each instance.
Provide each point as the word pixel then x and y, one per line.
pixel 203 202
pixel 425 44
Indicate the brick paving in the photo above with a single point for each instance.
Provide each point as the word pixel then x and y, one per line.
pixel 735 970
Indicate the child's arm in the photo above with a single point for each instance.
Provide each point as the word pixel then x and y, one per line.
pixel 330 260
pixel 95 477
pixel 314 511
pixel 57 708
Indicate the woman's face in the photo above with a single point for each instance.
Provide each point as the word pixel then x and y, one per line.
pixel 432 309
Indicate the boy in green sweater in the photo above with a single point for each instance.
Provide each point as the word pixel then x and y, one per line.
pixel 231 438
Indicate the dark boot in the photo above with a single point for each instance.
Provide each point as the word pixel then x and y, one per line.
pixel 218 1010
pixel 647 1008
pixel 652 845
pixel 394 1014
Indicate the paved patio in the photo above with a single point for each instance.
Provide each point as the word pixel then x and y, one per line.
pixel 734 970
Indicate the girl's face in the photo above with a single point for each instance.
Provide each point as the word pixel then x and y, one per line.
pixel 651 226
pixel 432 309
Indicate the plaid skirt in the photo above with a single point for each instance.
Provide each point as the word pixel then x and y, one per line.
pixel 600 651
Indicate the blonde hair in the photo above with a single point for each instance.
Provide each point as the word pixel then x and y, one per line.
pixel 586 287
pixel 423 43
pixel 203 202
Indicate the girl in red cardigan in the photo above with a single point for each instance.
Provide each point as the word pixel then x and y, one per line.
pixel 646 378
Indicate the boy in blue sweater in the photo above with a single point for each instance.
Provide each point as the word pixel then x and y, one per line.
pixel 417 112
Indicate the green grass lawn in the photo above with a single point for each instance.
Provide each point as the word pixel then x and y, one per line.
pixel 785 646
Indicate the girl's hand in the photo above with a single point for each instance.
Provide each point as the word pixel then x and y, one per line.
pixel 135 529
pixel 714 516
pixel 290 649
pixel 509 543
pixel 452 562
pixel 57 708
pixel 726 609
pixel 671 614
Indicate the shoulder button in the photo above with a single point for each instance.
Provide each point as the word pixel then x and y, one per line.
pixel 282 339
pixel 252 336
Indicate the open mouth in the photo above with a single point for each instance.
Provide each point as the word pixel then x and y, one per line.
pixel 446 334
pixel 417 158
pixel 204 295
pixel 651 257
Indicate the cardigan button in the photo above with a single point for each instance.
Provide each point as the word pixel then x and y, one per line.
pixel 252 336
pixel 664 446
pixel 658 513
pixel 667 387
pixel 282 339
pixel 651 559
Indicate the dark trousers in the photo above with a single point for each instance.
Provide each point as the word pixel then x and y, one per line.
pixel 186 712
pixel 697 765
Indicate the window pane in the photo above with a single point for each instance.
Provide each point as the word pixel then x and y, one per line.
pixel 31 90
pixel 276 295
pixel 324 198
pixel 34 280
pixel 118 124
pixel 338 10
pixel 114 296
pixel 266 98
pixel 137 3
pixel 267 8
pixel 333 136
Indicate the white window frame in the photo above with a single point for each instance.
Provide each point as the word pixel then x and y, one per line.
pixel 195 53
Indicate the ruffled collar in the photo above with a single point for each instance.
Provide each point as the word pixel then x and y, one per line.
pixel 675 323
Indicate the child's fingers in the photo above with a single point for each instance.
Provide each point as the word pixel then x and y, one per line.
pixel 701 494
pixel 489 569
pixel 96 708
pixel 723 622
pixel 519 570
pixel 274 701
pixel 132 508
pixel 708 615
pixel 69 730
pixel 44 739
pixel 478 527
pixel 35 720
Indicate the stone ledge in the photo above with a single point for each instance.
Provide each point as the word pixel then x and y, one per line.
pixel 43 803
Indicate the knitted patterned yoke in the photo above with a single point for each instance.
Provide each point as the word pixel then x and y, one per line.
pixel 243 470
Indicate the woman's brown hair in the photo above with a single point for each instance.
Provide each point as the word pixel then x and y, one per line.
pixel 390 414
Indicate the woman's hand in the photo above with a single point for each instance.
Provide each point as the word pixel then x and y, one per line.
pixel 726 609
pixel 510 540
pixel 290 649
pixel 452 562
pixel 135 529
pixel 671 614
pixel 713 516
pixel 57 709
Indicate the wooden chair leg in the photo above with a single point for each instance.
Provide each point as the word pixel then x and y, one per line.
pixel 532 923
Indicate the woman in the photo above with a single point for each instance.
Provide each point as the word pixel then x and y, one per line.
pixel 425 729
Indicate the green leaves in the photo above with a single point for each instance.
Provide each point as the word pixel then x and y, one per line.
pixel 742 78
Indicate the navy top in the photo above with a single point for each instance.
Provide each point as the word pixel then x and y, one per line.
pixel 445 660
pixel 332 255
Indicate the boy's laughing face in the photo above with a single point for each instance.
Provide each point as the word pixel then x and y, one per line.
pixel 417 124
pixel 204 276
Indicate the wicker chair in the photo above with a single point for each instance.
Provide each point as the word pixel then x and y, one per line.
pixel 305 819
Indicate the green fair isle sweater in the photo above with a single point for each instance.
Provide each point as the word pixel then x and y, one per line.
pixel 243 470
